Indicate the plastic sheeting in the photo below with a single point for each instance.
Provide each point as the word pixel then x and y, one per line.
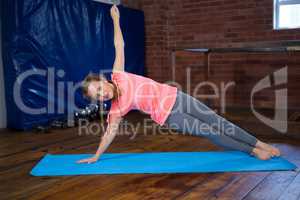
pixel 60 42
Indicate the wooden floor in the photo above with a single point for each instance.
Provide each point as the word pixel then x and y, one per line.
pixel 19 152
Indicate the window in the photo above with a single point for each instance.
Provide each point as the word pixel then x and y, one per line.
pixel 286 14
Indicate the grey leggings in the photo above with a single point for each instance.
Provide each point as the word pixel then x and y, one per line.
pixel 190 116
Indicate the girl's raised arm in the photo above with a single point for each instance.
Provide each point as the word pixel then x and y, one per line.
pixel 118 40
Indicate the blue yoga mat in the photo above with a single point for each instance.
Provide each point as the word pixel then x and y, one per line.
pixel 156 163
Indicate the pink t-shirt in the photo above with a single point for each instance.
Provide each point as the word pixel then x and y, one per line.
pixel 144 94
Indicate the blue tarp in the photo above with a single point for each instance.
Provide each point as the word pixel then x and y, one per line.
pixel 157 163
pixel 75 36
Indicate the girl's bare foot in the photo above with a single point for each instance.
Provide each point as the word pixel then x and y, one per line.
pixel 261 154
pixel 264 146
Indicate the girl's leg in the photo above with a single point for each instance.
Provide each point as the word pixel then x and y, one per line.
pixel 189 125
pixel 199 110
pixel 194 107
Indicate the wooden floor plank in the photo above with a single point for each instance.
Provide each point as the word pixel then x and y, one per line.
pixel 293 190
pixel 33 141
pixel 242 186
pixel 211 186
pixel 279 181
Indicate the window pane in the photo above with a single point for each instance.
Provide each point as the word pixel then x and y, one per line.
pixel 286 2
pixel 289 16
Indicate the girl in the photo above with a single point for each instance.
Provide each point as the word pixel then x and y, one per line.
pixel 166 106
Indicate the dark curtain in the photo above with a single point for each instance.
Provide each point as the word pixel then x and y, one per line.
pixel 66 39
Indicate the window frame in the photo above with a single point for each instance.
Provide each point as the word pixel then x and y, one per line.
pixel 276 13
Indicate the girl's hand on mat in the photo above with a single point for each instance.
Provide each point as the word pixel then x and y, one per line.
pixel 88 160
pixel 114 12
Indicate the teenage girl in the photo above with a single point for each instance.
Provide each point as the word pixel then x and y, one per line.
pixel 165 104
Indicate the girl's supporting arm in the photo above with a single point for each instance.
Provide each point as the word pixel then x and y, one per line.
pixel 106 140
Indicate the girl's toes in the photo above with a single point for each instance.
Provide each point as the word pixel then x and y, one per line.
pixel 276 151
pixel 265 156
pixel 262 154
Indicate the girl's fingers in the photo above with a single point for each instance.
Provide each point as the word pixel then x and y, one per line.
pixel 113 11
pixel 116 9
pixel 86 161
pixel 82 161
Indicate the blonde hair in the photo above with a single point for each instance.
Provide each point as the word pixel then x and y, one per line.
pixel 91 77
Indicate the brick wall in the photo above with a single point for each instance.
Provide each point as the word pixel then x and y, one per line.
pixel 217 23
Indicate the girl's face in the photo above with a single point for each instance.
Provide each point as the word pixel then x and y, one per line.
pixel 101 90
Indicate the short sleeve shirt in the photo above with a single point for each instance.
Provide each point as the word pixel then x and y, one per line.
pixel 144 94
